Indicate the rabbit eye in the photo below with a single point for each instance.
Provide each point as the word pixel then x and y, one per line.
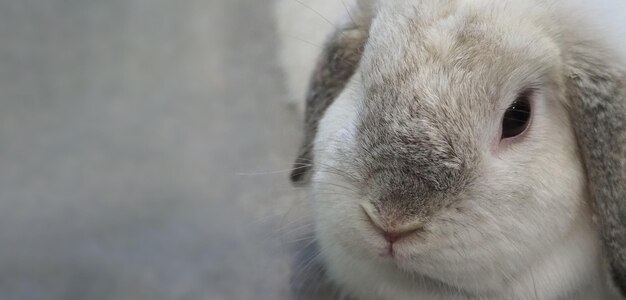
pixel 517 116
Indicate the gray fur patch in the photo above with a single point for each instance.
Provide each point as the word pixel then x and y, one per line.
pixel 411 166
pixel 598 96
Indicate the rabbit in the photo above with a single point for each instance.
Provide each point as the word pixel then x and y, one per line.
pixel 470 149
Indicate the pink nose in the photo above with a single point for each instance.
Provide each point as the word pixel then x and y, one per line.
pixel 391 233
pixel 394 236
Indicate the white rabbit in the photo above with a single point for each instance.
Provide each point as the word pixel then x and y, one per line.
pixel 471 149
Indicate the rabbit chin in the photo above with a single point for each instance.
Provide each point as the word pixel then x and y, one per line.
pixel 570 269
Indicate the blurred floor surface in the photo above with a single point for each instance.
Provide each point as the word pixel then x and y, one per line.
pixel 128 129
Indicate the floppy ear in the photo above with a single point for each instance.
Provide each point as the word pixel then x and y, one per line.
pixel 335 66
pixel 597 91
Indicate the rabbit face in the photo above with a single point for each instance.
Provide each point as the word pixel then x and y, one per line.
pixel 416 178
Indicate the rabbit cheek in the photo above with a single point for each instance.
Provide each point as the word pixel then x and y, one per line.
pixel 335 197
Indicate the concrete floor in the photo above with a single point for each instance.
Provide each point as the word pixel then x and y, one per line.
pixel 129 134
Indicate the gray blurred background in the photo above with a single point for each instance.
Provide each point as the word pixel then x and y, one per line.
pixel 130 135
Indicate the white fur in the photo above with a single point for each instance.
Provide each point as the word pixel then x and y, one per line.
pixel 600 21
pixel 500 248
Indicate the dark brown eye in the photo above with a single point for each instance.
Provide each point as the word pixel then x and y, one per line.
pixel 517 116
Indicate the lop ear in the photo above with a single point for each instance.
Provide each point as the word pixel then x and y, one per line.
pixel 597 91
pixel 335 66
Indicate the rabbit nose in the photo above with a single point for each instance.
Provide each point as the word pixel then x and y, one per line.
pixel 391 231
pixel 391 237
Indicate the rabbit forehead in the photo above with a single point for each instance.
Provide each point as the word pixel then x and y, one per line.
pixel 457 42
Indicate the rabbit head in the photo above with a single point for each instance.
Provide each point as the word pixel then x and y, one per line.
pixel 463 148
